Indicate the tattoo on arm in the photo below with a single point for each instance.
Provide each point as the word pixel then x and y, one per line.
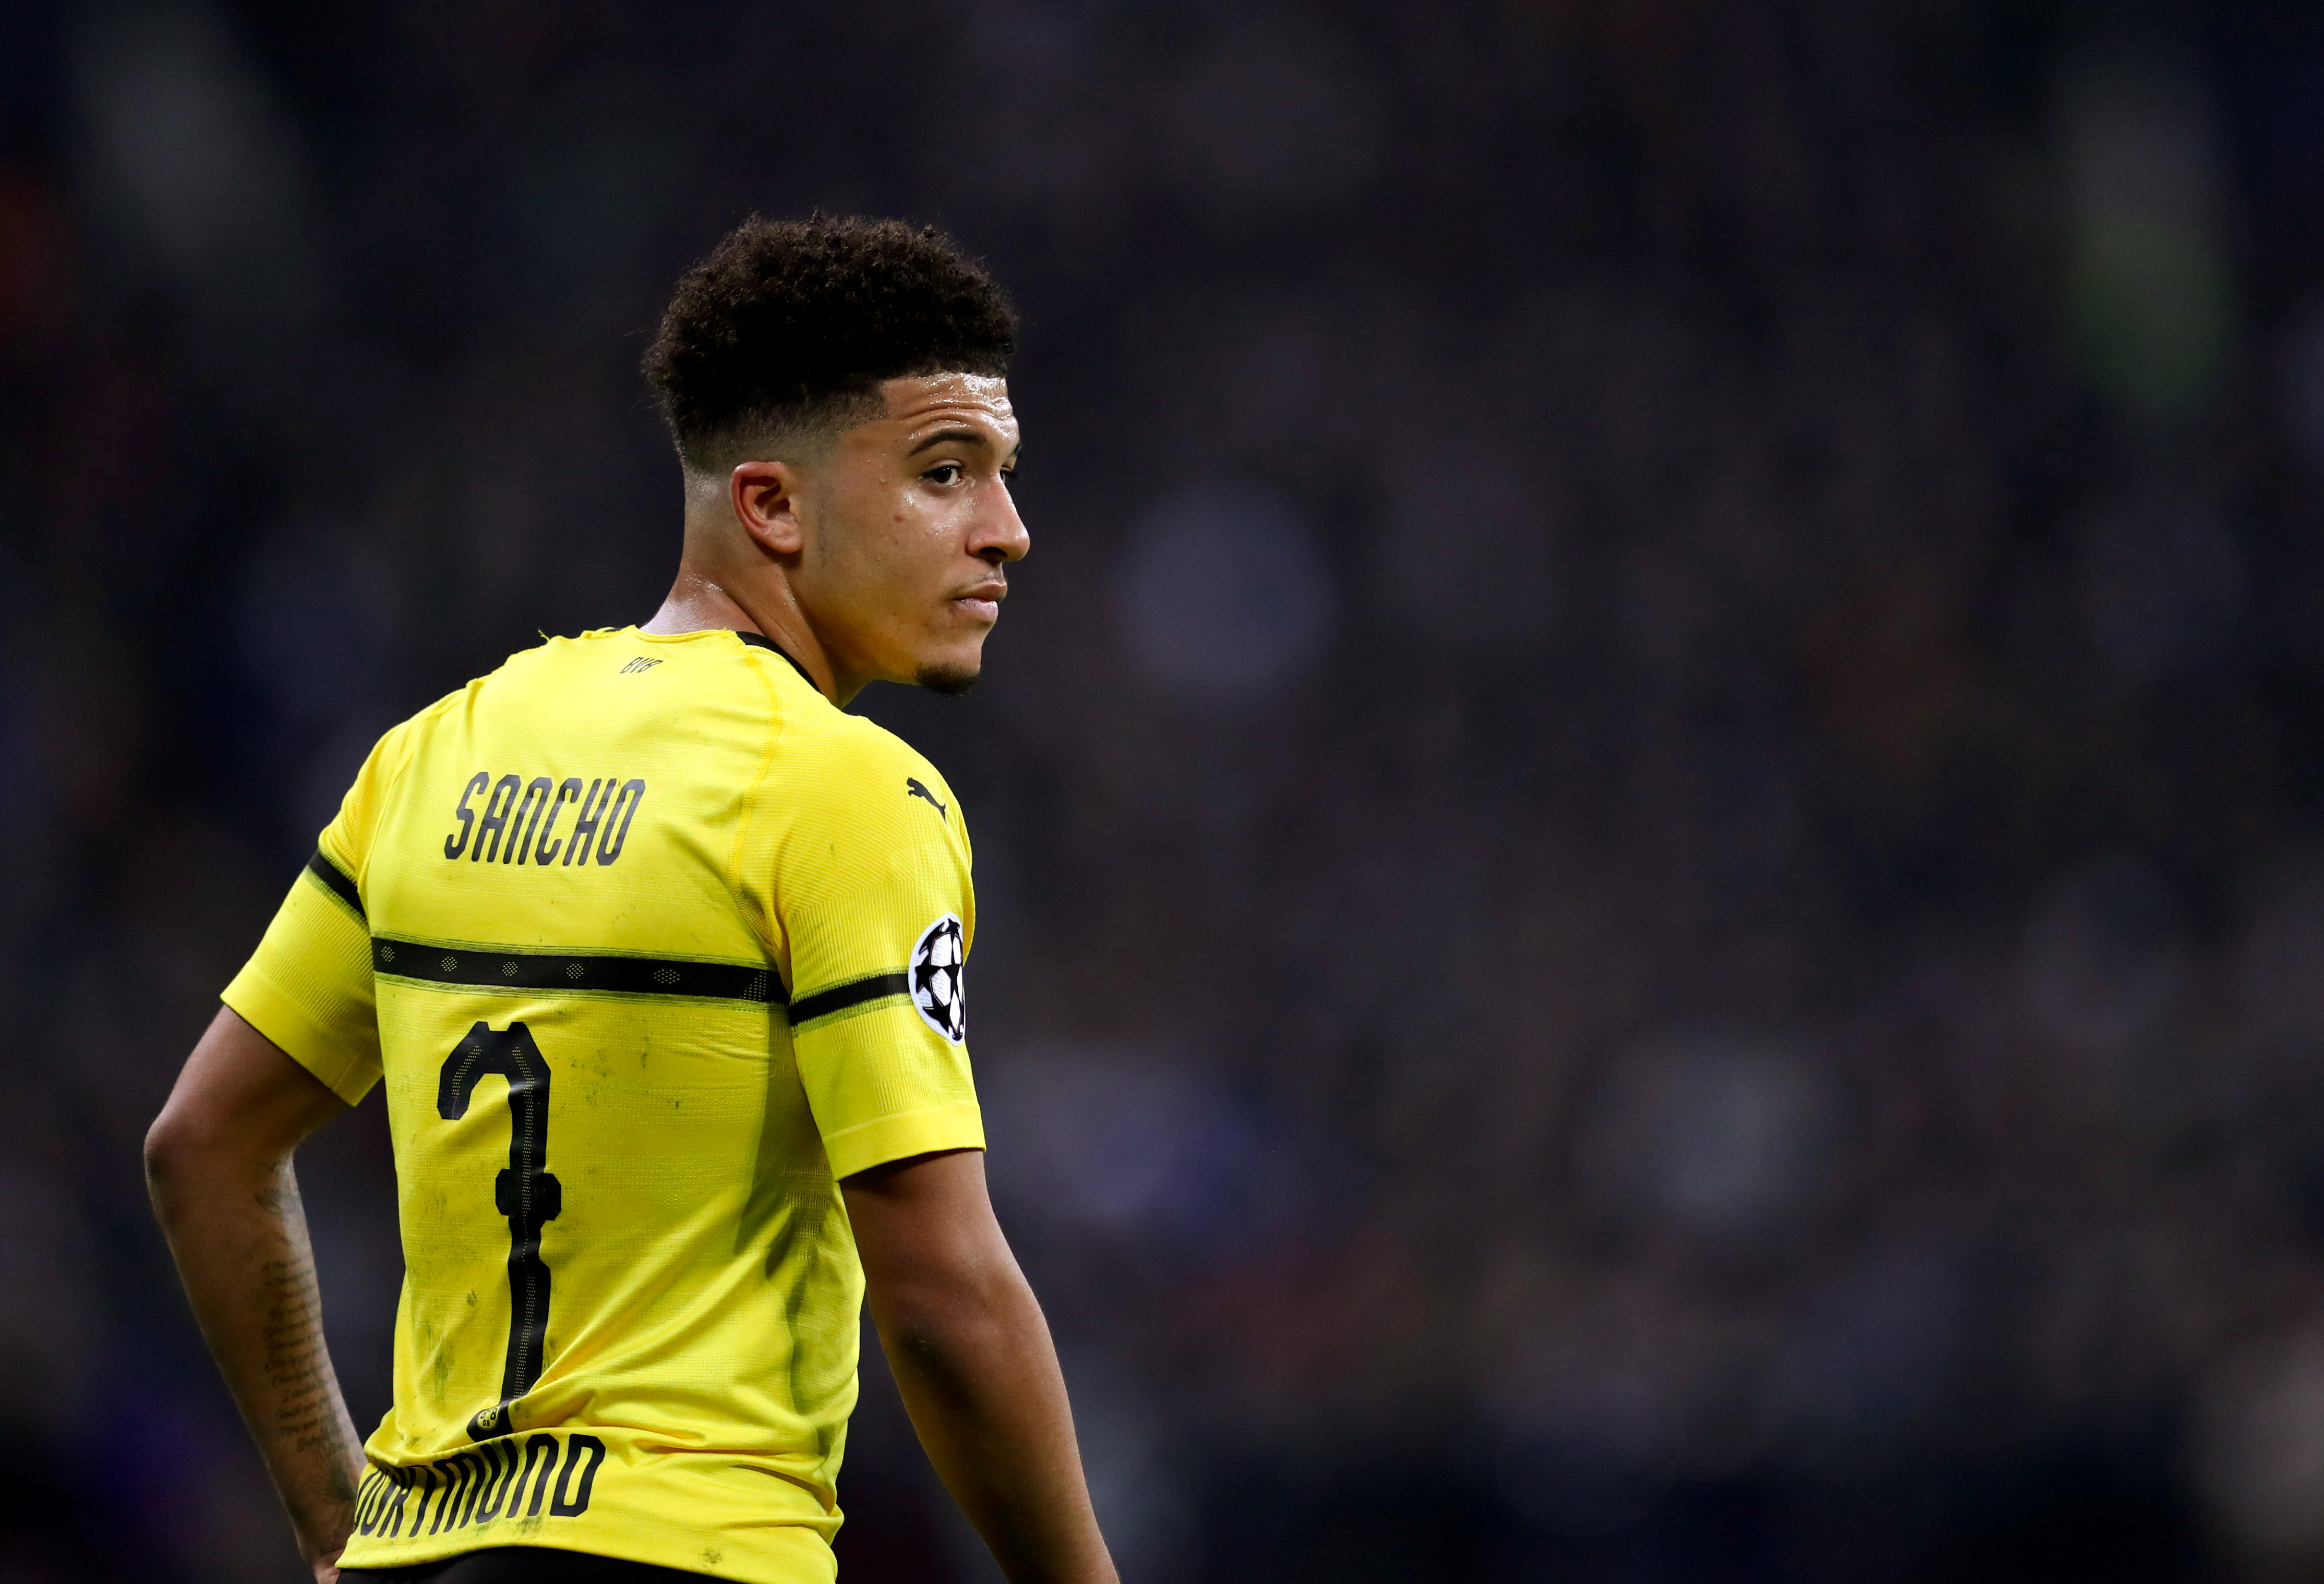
pixel 295 1363
pixel 305 1415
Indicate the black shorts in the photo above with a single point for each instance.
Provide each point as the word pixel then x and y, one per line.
pixel 522 1564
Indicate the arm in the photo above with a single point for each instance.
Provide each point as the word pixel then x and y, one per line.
pixel 973 1358
pixel 218 1163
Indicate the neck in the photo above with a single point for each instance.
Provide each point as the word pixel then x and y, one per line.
pixel 700 599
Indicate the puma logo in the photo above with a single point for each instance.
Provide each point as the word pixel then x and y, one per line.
pixel 912 788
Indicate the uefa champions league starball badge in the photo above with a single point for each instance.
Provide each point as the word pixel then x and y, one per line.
pixel 938 992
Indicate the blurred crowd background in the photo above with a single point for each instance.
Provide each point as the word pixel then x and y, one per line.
pixel 1651 818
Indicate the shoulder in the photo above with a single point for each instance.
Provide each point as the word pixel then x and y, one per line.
pixel 851 754
pixel 549 664
pixel 527 671
pixel 397 744
pixel 841 770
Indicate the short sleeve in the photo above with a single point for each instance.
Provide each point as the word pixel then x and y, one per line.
pixel 872 897
pixel 308 988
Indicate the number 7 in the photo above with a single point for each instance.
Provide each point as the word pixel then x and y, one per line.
pixel 525 1193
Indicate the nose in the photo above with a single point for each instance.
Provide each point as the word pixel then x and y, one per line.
pixel 1000 535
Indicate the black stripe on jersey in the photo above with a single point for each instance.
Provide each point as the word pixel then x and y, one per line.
pixel 756 641
pixel 504 968
pixel 342 884
pixel 839 997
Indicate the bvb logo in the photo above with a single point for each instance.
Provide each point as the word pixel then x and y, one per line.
pixel 938 990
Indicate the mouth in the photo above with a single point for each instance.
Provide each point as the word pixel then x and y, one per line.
pixel 984 600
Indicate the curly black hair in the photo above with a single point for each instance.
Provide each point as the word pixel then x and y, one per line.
pixel 790 325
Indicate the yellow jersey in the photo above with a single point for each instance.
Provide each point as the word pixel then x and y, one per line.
pixel 651 945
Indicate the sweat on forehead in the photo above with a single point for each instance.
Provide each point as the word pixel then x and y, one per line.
pixel 927 397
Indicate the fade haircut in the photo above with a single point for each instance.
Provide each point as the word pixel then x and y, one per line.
pixel 784 333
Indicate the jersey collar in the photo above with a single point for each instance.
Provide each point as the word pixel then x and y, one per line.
pixel 758 640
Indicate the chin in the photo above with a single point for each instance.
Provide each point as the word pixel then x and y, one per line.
pixel 950 678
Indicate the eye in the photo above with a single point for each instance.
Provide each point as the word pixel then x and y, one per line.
pixel 944 472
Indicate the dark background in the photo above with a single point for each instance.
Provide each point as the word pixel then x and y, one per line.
pixel 1650 904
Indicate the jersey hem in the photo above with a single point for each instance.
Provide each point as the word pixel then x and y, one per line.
pixel 924 1131
pixel 266 1007
pixel 809 1568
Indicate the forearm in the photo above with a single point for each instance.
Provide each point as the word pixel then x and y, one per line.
pixel 238 1232
pixel 978 1376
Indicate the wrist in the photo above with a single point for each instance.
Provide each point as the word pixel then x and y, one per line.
pixel 322 1536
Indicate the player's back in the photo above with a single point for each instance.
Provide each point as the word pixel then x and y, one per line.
pixel 638 912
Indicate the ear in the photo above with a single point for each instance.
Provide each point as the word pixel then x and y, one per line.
pixel 765 499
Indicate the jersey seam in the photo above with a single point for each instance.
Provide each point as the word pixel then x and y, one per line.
pixel 889 1119
pixel 886 1116
pixel 651 998
pixel 762 927
pixel 530 970
pixel 407 750
pixel 353 909
pixel 453 943
pixel 880 985
pixel 822 1022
